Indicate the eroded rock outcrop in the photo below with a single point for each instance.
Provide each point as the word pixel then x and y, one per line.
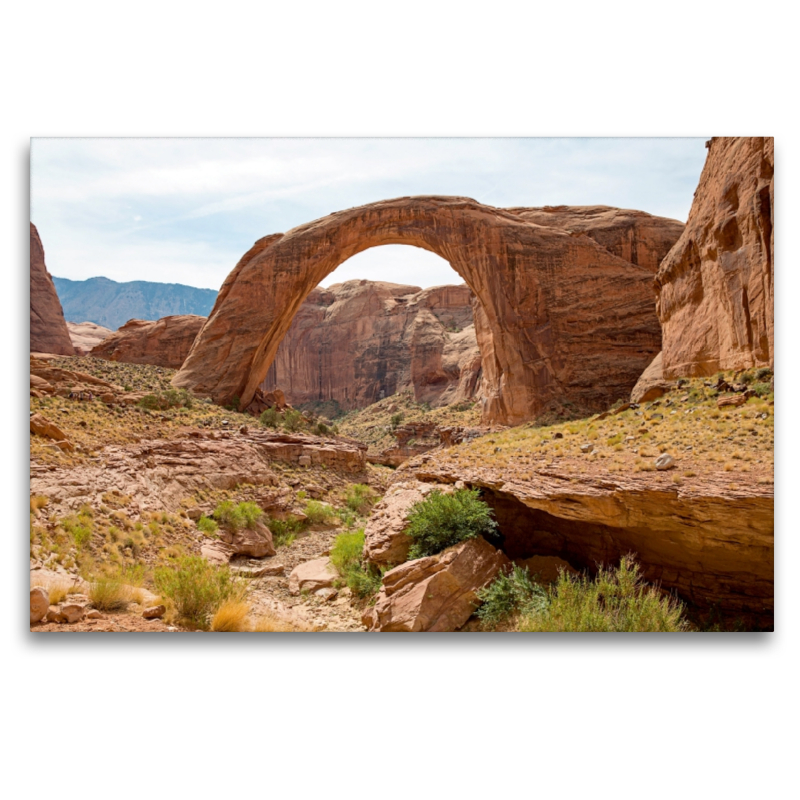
pixel 86 335
pixel 49 332
pixel 436 593
pixel 360 341
pixel 711 543
pixel 651 383
pixel 715 287
pixel 563 317
pixel 165 342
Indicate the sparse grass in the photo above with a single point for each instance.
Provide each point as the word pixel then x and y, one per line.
pixel 236 516
pixel 616 600
pixel 360 498
pixel 197 588
pixel 346 555
pixel 38 501
pixel 110 592
pixel 231 617
pixel 169 398
pixel 284 531
pixel 319 513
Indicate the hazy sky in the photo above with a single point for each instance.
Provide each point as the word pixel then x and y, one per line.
pixel 185 210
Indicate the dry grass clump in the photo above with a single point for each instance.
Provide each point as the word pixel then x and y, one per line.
pixel 267 623
pixel 231 617
pixel 57 588
pixel 110 593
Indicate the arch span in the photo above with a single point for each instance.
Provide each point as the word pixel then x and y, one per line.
pixel 563 314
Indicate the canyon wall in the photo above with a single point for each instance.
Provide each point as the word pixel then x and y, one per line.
pixel 360 341
pixel 715 288
pixel 49 332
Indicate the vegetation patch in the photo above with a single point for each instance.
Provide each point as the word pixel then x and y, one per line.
pixel 346 557
pixel 236 516
pixel 508 596
pixel 442 520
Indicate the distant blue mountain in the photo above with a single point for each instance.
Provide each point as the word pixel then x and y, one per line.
pixel 111 304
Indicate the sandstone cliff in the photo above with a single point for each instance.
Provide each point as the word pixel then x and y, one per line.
pixel 164 342
pixel 360 341
pixel 85 335
pixel 48 329
pixel 715 287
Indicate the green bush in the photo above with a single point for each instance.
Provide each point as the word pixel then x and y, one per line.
pixel 346 554
pixel 319 513
pixel 171 398
pixel 269 418
pixel 396 419
pixel 292 420
pixel 764 374
pixel 616 600
pixel 360 498
pixel 237 516
pixel 761 389
pixel 442 520
pixel 284 531
pixel 207 525
pixel 197 588
pixel 507 595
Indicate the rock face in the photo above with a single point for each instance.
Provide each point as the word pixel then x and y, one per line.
pixel 165 342
pixel 562 317
pixel 715 287
pixel 49 332
pixel 86 335
pixel 360 341
pixel 712 544
pixel 437 593
pixel 651 383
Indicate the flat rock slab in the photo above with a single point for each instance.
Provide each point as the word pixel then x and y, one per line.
pixel 312 575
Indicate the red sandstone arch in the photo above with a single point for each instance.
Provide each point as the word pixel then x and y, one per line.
pixel 561 316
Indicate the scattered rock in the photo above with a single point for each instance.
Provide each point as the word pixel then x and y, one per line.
pixel 437 593
pixel 93 613
pixel 312 575
pixel 154 612
pixel 587 448
pixel 731 400
pixel 665 461
pixel 260 570
pixel 40 602
pixel 73 612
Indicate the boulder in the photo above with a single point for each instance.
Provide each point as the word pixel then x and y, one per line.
pixel 651 384
pixel 255 542
pixel 165 342
pixel 665 461
pixel 385 540
pixel 40 603
pixel 732 400
pixel 154 612
pixel 715 288
pixel 49 332
pixel 312 575
pixel 436 593
pixel 73 612
pixel 42 426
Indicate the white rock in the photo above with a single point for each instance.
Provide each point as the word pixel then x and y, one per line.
pixel 665 461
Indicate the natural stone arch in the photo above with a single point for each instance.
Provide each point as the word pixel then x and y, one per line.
pixel 559 316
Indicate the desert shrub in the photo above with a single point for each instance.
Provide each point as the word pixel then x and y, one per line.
pixel 617 599
pixel 346 554
pixel 284 531
pixel 231 617
pixel 38 501
pixel 322 429
pixel 319 513
pixel 170 398
pixel 111 592
pixel 197 588
pixel 761 389
pixel 269 418
pixel 292 420
pixel 442 520
pixel 507 595
pixel 360 498
pixel 237 515
pixel 207 525
pixel 763 374
pixel 396 419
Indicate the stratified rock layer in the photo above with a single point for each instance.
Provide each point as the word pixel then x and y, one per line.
pixel 562 317
pixel 49 332
pixel 715 287
pixel 165 342
pixel 360 341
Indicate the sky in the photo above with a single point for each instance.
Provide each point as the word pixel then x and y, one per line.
pixel 185 210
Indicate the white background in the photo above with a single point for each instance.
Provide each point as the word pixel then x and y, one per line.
pixel 695 716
